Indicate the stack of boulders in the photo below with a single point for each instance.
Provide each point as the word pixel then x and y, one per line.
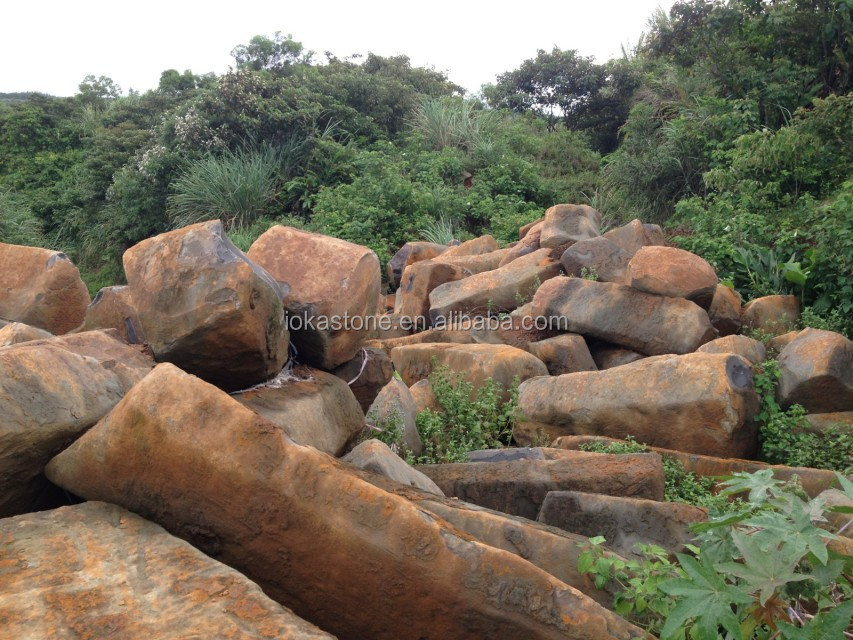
pixel 231 398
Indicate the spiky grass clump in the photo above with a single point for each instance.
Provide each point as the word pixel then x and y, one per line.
pixel 440 231
pixel 453 122
pixel 17 223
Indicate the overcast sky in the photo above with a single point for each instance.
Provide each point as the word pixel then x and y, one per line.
pixel 51 46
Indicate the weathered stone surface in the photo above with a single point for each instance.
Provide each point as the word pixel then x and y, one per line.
pixel 51 391
pixel 510 454
pixel 525 229
pixel 634 235
pixel 820 422
pixel 97 571
pixel 418 282
pixel 328 278
pixel 112 309
pixel 395 406
pixel 817 372
pixel 775 345
pixel 41 288
pixel 475 247
pixel 566 223
pixel 676 273
pixel 749 348
pixel 377 457
pixel 566 353
pixel 449 335
pixel 725 310
pixel 477 263
pixel 624 316
pixel 204 306
pixel 366 374
pixel 493 291
pixel 314 408
pixel 424 397
pixel 607 356
pixel 598 257
pixel 701 403
pixel 17 332
pixel 518 488
pixel 302 524
pixel 771 314
pixel 390 326
pixel 622 521
pixel 411 253
pixel 525 326
pixel 813 480
pixel 476 362
pixel 525 246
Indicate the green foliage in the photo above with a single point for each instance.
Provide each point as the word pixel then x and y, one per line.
pixel 440 231
pixel 453 122
pixel 763 572
pixel 17 223
pixel 784 435
pixel 469 420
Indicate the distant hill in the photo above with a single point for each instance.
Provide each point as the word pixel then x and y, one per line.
pixel 17 96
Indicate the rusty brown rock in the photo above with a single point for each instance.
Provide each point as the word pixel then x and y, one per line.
pixel 820 422
pixel 607 356
pixel 477 263
pixel 749 348
pixel 503 289
pixel 424 397
pixel 204 306
pixel 395 407
pixel 771 314
pixel 725 310
pixel 635 235
pixel 41 288
pixel 526 245
pixel 566 353
pixel 17 332
pixel 97 571
pixel 112 309
pixel 454 336
pixel 701 403
pixel 418 282
pixel 314 408
pixel 597 257
pixel 817 372
pixel 676 273
pixel 476 362
pixel 377 457
pixel 624 522
pixel 51 392
pixel 475 247
pixel 328 278
pixel 776 344
pixel 519 488
pixel 525 229
pixel 643 322
pixel 366 374
pixel 565 223
pixel 411 253
pixel 302 524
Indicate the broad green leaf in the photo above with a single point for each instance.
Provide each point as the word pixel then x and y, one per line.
pixel 826 625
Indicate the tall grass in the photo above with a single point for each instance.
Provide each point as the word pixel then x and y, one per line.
pixel 440 230
pixel 237 187
pixel 17 223
pixel 454 122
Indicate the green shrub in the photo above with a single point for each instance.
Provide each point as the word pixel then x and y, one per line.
pixel 468 421
pixel 17 223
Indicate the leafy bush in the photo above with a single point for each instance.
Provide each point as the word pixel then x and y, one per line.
pixel 762 573
pixel 468 420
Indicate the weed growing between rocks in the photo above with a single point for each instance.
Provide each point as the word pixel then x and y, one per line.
pixel 765 572
pixel 469 421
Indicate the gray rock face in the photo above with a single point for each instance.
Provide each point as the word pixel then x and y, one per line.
pixel 377 457
pixel 598 257
pixel 565 223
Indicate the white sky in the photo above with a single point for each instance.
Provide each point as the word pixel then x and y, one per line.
pixel 50 46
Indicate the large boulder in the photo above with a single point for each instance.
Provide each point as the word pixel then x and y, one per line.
pixel 477 263
pixel 417 284
pixel 749 348
pixel 475 247
pixel 411 253
pixel 701 403
pixel 41 288
pixel 519 487
pixel 640 321
pixel 204 306
pixel 17 332
pixel 328 278
pixel 725 310
pixel 817 372
pixel 112 309
pixel 503 289
pixel 566 353
pixel 377 457
pixel 51 392
pixel 676 273
pixel 313 407
pixel 624 522
pixel 607 356
pixel 99 572
pixel 366 374
pixel 597 258
pixel 526 245
pixel 633 236
pixel 349 557
pixel 568 223
pixel 395 408
pixel 774 315
pixel 476 362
